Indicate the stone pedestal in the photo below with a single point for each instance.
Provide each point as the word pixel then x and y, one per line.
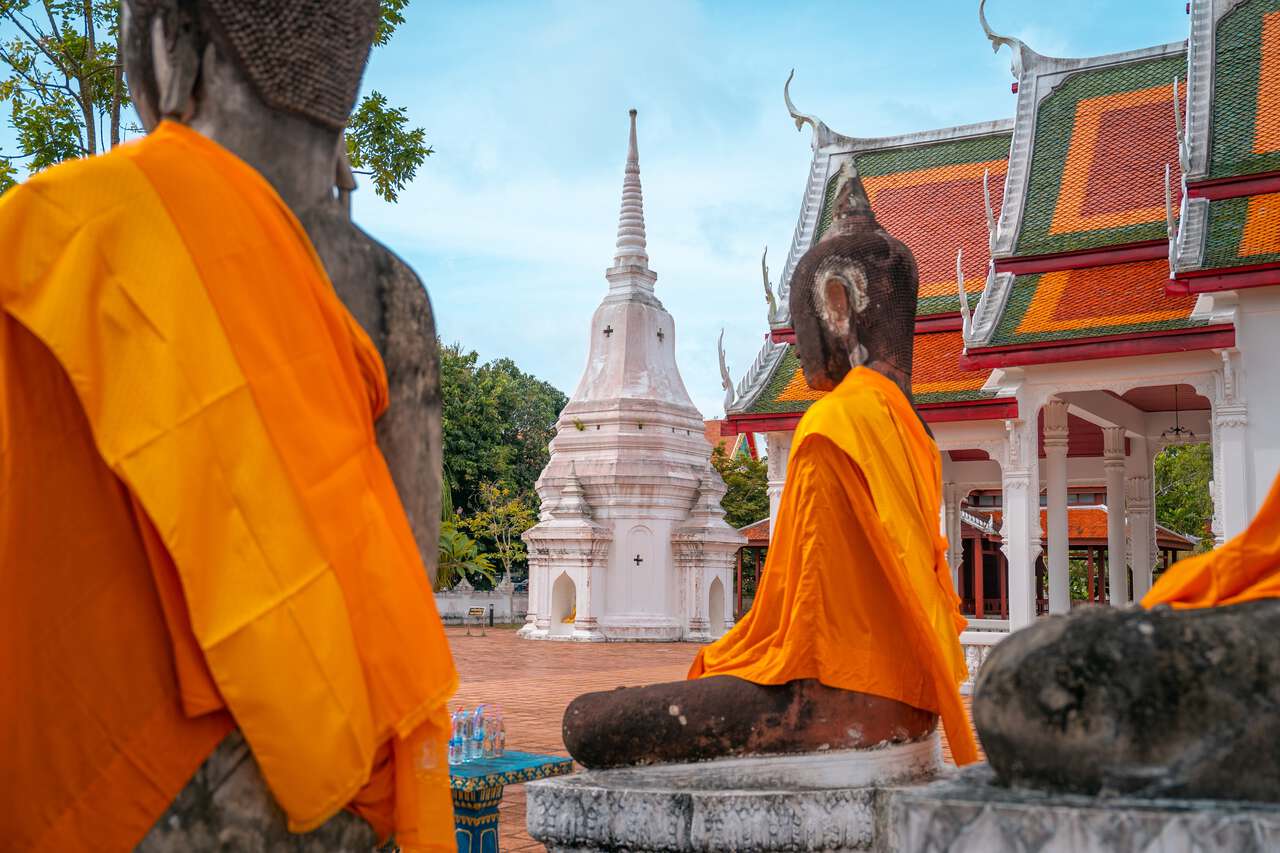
pixel 877 800
pixel 820 801
pixel 967 813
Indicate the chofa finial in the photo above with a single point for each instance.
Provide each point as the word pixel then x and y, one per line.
pixel 1016 46
pixel 800 118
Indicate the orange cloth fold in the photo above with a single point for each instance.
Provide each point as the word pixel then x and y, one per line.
pixel 1246 568
pixel 856 591
pixel 227 400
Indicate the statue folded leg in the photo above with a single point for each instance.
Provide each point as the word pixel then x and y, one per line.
pixel 725 717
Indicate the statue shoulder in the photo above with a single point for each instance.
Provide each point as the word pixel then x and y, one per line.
pixel 379 289
pixel 847 414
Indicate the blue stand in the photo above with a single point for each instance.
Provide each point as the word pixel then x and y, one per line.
pixel 477 792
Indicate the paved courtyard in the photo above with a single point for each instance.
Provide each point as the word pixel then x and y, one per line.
pixel 535 681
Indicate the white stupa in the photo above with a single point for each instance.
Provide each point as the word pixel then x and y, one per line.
pixel 632 543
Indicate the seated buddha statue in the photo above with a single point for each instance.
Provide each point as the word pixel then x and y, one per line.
pixel 853 639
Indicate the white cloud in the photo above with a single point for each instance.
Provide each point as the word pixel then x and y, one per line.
pixel 513 222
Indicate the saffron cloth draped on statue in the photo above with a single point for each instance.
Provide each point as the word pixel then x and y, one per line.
pixel 1246 568
pixel 856 592
pixel 196 526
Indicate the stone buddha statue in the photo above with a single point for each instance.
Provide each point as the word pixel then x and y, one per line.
pixel 274 83
pixel 265 80
pixel 852 641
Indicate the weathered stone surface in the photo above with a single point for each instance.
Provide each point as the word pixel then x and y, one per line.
pixel 827 801
pixel 1157 703
pixel 227 807
pixel 968 813
pixel 723 716
pixel 391 305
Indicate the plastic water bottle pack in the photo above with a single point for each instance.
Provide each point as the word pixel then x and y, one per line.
pixel 476 734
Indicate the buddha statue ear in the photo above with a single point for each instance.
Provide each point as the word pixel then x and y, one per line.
pixel 176 60
pixel 344 179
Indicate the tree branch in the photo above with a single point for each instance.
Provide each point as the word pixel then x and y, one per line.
pixel 38 42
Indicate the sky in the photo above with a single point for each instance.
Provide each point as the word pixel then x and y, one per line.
pixel 511 223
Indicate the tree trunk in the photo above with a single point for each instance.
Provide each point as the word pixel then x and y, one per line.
pixel 86 91
pixel 116 93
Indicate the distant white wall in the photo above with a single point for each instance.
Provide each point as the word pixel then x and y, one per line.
pixel 508 607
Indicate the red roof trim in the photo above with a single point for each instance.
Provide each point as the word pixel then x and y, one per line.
pixel 1235 186
pixel 1139 343
pixel 947 322
pixel 1085 258
pixel 766 422
pixel 969 410
pixel 1212 281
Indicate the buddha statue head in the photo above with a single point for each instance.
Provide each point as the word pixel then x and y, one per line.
pixel 274 81
pixel 853 296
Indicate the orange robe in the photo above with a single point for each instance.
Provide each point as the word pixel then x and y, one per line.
pixel 856 592
pixel 1246 568
pixel 196 525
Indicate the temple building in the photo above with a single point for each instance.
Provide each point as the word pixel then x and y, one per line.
pixel 631 543
pixel 1098 280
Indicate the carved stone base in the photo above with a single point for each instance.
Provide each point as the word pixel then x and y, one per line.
pixel 820 801
pixel 967 813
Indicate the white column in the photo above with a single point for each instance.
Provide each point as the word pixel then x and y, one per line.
pixel 778 448
pixel 1141 514
pixel 1113 464
pixel 1232 467
pixel 952 494
pixel 1021 518
pixel 1055 468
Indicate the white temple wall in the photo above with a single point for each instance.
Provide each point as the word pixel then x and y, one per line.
pixel 643 588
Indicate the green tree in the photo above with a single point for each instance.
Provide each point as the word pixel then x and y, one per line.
pixel 1183 501
pixel 64 81
pixel 460 557
pixel 528 408
pixel 746 481
pixel 64 87
pixel 497 424
pixel 501 520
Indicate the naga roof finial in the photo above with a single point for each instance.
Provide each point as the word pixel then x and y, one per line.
pixel 768 288
pixel 1019 49
pixel 1184 151
pixel 1171 227
pixel 991 217
pixel 726 381
pixel 965 321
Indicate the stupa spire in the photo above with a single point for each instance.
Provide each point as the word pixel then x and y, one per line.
pixel 631 238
